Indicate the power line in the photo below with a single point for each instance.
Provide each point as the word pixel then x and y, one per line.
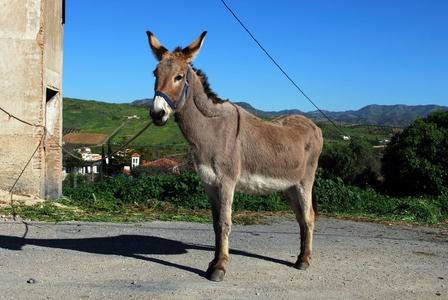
pixel 46 133
pixel 68 152
pixel 280 68
pixel 14 117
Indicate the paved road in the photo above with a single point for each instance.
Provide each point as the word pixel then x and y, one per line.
pixel 166 260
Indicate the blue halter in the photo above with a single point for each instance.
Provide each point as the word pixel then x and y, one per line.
pixel 184 93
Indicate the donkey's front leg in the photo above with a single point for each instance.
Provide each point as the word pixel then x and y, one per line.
pixel 221 203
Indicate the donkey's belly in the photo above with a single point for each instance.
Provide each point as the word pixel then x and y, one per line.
pixel 248 183
pixel 258 184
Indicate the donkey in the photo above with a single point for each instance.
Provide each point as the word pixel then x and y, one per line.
pixel 233 150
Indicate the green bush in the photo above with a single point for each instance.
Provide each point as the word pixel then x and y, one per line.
pixel 412 209
pixel 186 191
pixel 415 162
pixel 272 202
pixel 355 162
pixel 335 197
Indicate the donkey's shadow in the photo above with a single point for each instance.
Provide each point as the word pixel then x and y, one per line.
pixel 134 246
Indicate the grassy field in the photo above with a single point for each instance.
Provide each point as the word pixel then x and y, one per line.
pixel 99 117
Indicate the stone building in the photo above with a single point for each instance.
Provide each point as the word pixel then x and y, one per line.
pixel 31 35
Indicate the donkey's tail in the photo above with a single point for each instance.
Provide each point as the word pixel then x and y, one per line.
pixel 314 200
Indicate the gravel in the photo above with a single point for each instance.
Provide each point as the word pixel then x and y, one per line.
pixel 167 260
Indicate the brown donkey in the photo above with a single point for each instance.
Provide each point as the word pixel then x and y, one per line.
pixel 234 150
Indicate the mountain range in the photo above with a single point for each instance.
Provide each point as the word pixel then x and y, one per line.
pixel 379 115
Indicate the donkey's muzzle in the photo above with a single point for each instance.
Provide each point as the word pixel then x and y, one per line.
pixel 159 117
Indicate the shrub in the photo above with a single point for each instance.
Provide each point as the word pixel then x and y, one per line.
pixel 335 197
pixel 415 162
pixel 186 191
pixel 356 163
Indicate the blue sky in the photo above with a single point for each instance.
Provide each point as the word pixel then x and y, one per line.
pixel 343 54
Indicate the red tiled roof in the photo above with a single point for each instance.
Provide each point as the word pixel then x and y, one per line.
pixel 163 162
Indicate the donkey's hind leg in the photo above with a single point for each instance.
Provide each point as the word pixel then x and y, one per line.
pixel 300 198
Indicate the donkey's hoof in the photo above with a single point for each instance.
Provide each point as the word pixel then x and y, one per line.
pixel 301 265
pixel 215 274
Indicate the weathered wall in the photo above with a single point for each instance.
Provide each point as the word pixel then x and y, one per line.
pixel 31 34
pixel 52 82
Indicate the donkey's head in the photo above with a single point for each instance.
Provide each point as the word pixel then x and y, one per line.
pixel 172 77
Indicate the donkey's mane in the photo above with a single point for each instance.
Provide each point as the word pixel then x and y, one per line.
pixel 206 85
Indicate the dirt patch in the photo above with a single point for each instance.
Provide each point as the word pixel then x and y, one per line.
pixel 85 138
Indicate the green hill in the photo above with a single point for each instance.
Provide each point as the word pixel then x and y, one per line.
pixel 376 115
pixel 86 116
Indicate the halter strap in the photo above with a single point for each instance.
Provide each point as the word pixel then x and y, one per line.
pixel 184 93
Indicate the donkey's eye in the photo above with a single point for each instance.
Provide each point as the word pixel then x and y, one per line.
pixel 178 78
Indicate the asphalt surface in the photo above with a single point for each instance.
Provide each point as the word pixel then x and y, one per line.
pixel 167 260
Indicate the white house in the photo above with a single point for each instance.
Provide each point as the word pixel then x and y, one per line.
pixel 135 160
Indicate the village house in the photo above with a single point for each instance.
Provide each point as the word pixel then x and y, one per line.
pixel 91 160
pixel 135 160
pixel 132 117
pixel 170 164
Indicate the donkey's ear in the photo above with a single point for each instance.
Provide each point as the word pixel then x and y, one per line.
pixel 191 51
pixel 157 49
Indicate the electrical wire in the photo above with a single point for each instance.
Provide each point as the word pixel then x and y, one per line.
pixel 45 133
pixel 281 69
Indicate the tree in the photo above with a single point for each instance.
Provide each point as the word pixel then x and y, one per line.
pixel 367 164
pixel 337 161
pixel 355 163
pixel 416 162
